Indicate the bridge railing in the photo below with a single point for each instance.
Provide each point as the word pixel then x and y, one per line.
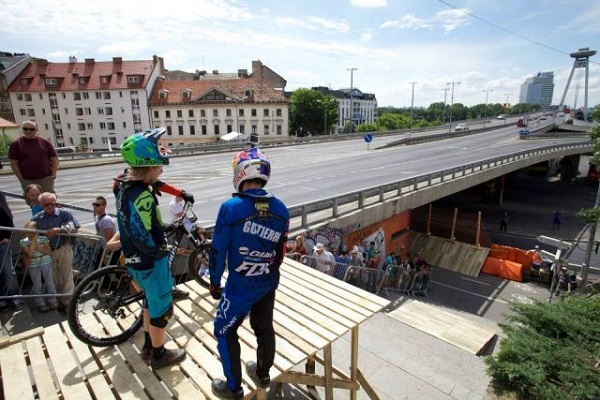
pixel 305 215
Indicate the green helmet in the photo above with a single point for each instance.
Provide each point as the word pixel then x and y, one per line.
pixel 142 149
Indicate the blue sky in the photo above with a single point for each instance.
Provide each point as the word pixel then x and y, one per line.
pixel 484 45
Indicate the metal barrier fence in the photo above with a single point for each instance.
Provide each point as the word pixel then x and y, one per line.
pixel 407 280
pixel 44 273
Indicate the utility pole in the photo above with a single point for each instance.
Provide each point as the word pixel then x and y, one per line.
pixel 412 103
pixel 444 109
pixel 451 103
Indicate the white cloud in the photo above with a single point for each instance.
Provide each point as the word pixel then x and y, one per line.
pixel 452 19
pixel 408 21
pixel 366 36
pixel 369 3
pixel 448 20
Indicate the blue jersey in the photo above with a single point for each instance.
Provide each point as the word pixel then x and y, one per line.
pixel 250 234
pixel 140 225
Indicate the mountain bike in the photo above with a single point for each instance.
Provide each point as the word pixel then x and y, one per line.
pixel 106 306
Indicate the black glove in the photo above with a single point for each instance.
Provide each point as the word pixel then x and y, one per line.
pixel 188 197
pixel 216 291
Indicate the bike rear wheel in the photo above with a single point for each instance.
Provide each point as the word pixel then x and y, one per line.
pixel 106 307
pixel 198 265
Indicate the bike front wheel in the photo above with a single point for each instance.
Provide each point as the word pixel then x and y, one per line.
pixel 106 307
pixel 198 265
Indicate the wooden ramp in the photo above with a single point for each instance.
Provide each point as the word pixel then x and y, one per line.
pixel 311 311
pixel 454 329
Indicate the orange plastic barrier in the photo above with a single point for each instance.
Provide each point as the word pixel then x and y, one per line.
pixel 512 254
pixel 503 268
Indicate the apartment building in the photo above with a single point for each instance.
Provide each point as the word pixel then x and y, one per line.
pixel 93 105
pixel 11 66
pixel 201 107
pixel 538 89
pixel 353 106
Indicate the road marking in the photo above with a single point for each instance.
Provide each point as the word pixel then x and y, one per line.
pixel 489 298
pixel 474 281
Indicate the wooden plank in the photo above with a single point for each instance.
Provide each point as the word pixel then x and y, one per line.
pixel 151 383
pixel 15 374
pixel 40 369
pixel 10 340
pixel 307 324
pixel 333 303
pixel 92 371
pixel 119 374
pixel 370 301
pixel 454 329
pixel 66 370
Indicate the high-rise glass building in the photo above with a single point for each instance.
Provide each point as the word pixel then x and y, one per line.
pixel 538 89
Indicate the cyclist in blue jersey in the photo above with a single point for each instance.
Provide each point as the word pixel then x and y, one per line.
pixel 250 236
pixel 144 243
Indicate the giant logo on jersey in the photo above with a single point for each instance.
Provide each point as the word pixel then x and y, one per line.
pixel 244 251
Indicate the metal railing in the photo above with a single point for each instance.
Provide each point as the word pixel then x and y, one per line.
pixel 303 216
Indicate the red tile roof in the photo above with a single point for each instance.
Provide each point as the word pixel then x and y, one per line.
pixel 68 75
pixel 236 88
pixel 4 123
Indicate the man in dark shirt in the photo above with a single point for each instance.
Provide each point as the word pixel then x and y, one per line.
pixel 58 222
pixel 33 158
pixel 8 279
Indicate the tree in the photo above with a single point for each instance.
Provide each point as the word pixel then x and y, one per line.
pixel 4 144
pixel 312 111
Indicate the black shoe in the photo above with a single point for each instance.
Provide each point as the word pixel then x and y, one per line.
pixel 170 357
pixel 262 381
pixel 62 308
pixel 18 305
pixel 179 294
pixel 220 389
pixel 146 354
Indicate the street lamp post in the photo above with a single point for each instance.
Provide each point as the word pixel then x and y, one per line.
pixel 487 92
pixel 412 103
pixel 444 108
pixel 451 102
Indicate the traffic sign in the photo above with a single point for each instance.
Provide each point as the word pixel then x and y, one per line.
pixel 368 138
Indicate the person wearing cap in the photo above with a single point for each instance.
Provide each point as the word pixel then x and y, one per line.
pixel 562 281
pixel 143 241
pixel 323 258
pixel 249 239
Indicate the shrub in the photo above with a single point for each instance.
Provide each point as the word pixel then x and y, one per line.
pixel 551 350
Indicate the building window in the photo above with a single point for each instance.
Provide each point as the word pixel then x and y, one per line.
pixel 88 111
pixel 216 130
pixel 215 113
pixel 104 79
pixel 229 128
pixel 106 95
pixel 191 113
pixel 23 111
pixel 101 110
pixel 254 129
pixel 265 112
pixel 241 128
pixel 108 111
pixel 76 96
pixel 86 95
pixel 203 128
pixel 124 125
pixel 111 126
pixel 31 113
pixel 103 125
pixel 180 130
pixel 51 81
pixel 179 114
pixel 169 132
pixel 241 112
pixel 79 111
pixel 228 112
pixel 167 114
pixel 28 97
pixel 133 79
pixel 98 95
pixel 81 126
pixel 202 113
pixel 278 112
pixel 192 130
pixel 162 94
pixel 155 114
pixel 20 96
pixel 253 112
pixel 266 129
pixel 82 80
pixel 90 126
pixel 279 129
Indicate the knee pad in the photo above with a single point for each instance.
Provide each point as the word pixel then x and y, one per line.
pixel 161 322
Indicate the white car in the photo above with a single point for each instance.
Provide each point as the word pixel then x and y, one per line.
pixel 501 116
pixel 461 127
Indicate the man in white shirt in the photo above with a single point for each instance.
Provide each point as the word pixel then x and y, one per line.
pixel 176 210
pixel 323 258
